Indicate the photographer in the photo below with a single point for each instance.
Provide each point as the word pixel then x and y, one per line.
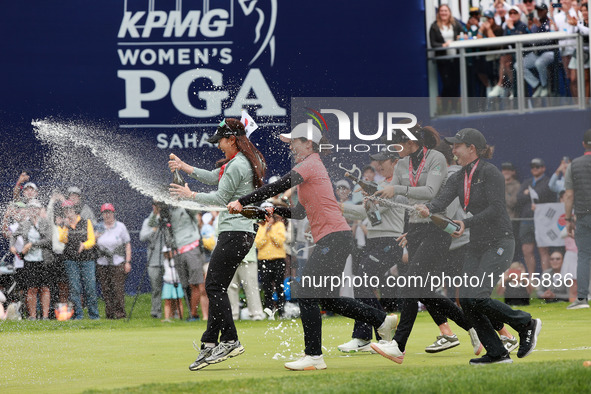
pixel 149 233
pixel 185 239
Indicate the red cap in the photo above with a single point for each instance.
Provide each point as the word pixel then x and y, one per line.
pixel 67 204
pixel 107 207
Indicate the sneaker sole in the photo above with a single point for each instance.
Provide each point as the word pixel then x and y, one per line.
pixel 310 368
pixel 507 361
pixel 581 306
pixel 233 353
pixel 197 368
pixel 535 338
pixel 367 349
pixel 435 350
pixel 397 360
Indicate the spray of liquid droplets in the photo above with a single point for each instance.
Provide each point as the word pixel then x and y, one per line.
pixel 82 151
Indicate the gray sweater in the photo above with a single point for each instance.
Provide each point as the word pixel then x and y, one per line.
pixel 235 183
pixel 429 183
pixel 392 219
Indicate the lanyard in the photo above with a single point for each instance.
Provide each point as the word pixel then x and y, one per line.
pixel 414 180
pixel 468 185
pixel 224 167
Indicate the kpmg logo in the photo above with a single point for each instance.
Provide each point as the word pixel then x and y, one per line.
pixel 190 55
pixel 391 127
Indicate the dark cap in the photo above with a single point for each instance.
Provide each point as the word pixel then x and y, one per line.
pixel 469 137
pixel 542 7
pixel 587 137
pixel 489 14
pixel 474 11
pixel 385 154
pixel 537 162
pixel 224 130
pixel 507 166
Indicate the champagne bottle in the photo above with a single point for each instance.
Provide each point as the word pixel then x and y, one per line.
pixel 444 223
pixel 253 212
pixel 369 187
pixel 177 178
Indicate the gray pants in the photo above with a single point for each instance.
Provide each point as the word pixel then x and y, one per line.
pixel 155 274
pixel 583 240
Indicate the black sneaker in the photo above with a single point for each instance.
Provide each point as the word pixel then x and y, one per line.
pixel 200 362
pixel 528 338
pixel 486 360
pixel 224 351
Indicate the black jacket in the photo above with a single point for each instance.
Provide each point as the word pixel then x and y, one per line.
pixel 490 221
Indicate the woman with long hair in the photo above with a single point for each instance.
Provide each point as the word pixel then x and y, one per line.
pixel 419 175
pixel 238 173
pixel 443 31
pixel 480 187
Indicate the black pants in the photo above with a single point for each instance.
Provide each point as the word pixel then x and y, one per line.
pixel 454 266
pixel 426 246
pixel 380 254
pixel 480 309
pixel 449 72
pixel 231 248
pixel 328 259
pixel 272 274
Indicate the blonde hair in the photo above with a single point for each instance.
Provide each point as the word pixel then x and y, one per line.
pixel 452 20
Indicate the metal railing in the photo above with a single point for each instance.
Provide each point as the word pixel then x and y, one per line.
pixel 515 45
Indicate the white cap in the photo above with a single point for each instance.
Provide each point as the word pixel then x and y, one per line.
pixel 303 130
pixel 267 204
pixel 343 183
pixel 515 8
pixel 31 185
pixel 165 249
pixel 75 190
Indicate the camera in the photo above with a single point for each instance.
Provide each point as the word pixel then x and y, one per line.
pixel 164 213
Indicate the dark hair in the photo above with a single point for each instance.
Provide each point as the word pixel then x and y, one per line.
pixel 445 149
pixel 368 168
pixel 255 158
pixel 485 153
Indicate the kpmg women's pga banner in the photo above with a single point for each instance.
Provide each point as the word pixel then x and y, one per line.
pixel 198 60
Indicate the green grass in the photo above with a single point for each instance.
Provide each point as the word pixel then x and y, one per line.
pixel 145 355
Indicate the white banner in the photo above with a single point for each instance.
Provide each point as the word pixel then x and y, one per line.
pixel 549 222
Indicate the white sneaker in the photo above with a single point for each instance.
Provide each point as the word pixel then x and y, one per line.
pixel 544 92
pixel 307 363
pixel 509 343
pixel 476 344
pixel 497 91
pixel 386 330
pixel 356 345
pixel 537 92
pixel 578 304
pixel 390 350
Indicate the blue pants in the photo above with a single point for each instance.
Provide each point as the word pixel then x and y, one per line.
pixel 583 240
pixel 81 274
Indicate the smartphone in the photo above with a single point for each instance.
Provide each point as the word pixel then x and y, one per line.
pixel 556 5
pixel 530 16
pixel 566 159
